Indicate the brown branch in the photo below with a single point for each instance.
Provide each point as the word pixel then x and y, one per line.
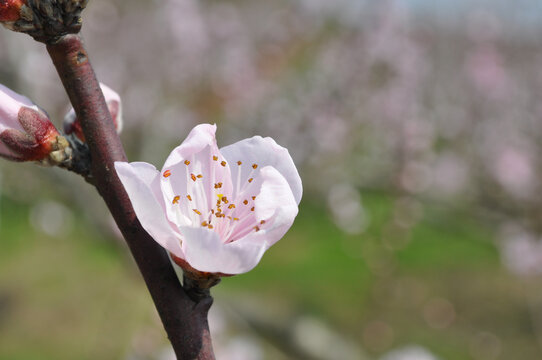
pixel 184 320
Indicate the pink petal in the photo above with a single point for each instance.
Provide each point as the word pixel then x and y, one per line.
pixel 275 204
pixel 201 136
pixel 190 174
pixel 263 152
pixel 10 104
pixel 114 105
pixel 142 184
pixel 205 251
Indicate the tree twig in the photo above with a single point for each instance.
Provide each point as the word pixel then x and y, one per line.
pixel 184 320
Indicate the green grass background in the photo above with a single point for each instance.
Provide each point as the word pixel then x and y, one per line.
pixel 79 296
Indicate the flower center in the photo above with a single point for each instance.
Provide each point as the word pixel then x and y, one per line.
pixel 212 202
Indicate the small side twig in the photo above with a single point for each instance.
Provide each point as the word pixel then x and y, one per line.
pixel 80 160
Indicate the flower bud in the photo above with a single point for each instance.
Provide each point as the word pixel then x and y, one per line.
pixel 44 20
pixel 112 99
pixel 26 133
pixel 10 10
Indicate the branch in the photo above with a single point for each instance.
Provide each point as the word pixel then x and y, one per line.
pixel 184 320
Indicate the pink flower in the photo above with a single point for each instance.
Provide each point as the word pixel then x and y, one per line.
pixel 112 99
pixel 26 133
pixel 216 211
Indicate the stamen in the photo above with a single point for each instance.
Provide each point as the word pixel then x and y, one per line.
pixel 199 176
pixel 223 163
pixel 245 202
pixel 254 198
pixel 215 158
pixel 204 223
pixel 167 173
pixel 189 197
pixel 210 226
pixel 254 166
pixel 187 162
pixel 193 177
pixel 256 228
pixel 176 199
pixel 239 163
pixel 197 211
pixel 231 206
pixel 252 209
pixel 250 180
pixel 235 219
pixel 262 222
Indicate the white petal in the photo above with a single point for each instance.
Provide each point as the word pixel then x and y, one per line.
pixel 276 205
pixel 141 182
pixel 201 136
pixel 204 251
pixel 263 152
pixel 192 171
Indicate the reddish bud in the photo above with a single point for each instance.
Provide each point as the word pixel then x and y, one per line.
pixel 26 133
pixel 10 10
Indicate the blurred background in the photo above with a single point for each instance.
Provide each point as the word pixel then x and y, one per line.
pixel 415 125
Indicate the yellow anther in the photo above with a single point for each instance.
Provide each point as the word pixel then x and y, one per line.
pixel 210 226
pixel 204 223
pixel 197 211
pixel 167 173
pixel 239 163
pixel 254 198
pixel 193 177
pixel 223 163
pixel 254 166
pixel 256 228
pixel 187 162
pixel 199 176
pixel 176 199
pixel 252 209
pixel 250 180
pixel 245 202
pixel 215 158
pixel 262 222
pixel 231 206
pixel 189 197
pixel 235 219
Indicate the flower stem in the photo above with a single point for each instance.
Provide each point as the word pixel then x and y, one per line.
pixel 197 287
pixel 184 320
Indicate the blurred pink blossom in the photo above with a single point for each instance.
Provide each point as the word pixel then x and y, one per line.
pixel 485 67
pixel 513 169
pixel 521 251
